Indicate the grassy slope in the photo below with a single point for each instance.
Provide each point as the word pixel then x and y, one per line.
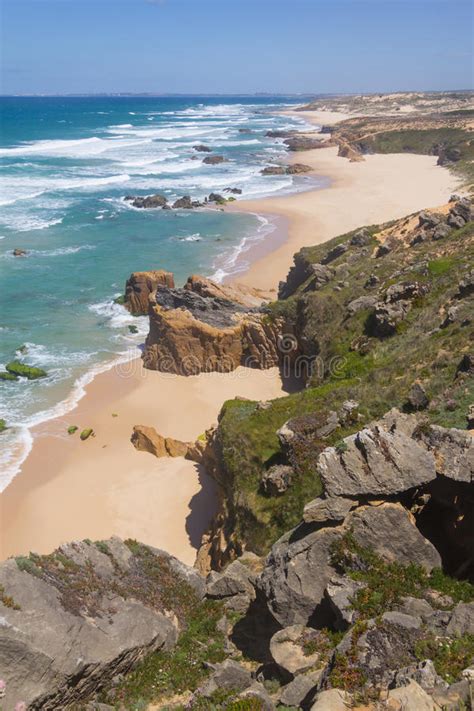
pixel 378 380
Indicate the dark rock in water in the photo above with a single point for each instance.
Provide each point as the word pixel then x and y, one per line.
pixel 246 130
pixel 5 375
pixel 18 252
pixel 200 148
pixel 214 160
pixel 84 615
pixel 183 203
pixel 148 202
pixel 277 479
pixel 233 191
pixel 215 197
pixel 273 170
pixel 417 398
pixel 335 252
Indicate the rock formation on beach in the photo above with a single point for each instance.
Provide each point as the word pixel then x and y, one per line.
pixel 140 285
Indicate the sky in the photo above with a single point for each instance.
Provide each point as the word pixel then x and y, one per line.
pixel 234 46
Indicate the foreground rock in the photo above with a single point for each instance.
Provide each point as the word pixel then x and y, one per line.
pixel 147 439
pixel 85 614
pixel 148 202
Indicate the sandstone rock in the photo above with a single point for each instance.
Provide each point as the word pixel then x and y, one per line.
pixel 287 650
pixel 277 479
pixel 410 698
pixel 332 700
pixel 330 509
pixel 301 690
pixel 389 530
pixel 241 295
pixel 214 160
pixel 376 461
pixel 147 439
pixel 81 624
pixel 140 285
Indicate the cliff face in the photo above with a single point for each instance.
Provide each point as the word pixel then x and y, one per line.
pixel 206 327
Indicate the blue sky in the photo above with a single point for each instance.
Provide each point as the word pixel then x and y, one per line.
pixel 235 46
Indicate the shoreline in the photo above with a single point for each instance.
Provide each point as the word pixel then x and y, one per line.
pixel 103 487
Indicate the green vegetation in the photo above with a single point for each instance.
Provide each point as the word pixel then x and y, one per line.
pixel 385 583
pixel 85 434
pixel 3 425
pixel 120 300
pixel 163 674
pixel 450 656
pixel 72 429
pixel 133 329
pixel 350 364
pixel 5 375
pixel 25 371
pixel 7 600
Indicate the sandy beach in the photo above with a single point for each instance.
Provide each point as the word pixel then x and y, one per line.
pixel 70 489
pixel 380 188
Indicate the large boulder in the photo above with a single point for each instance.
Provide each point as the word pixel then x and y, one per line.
pixel 378 460
pixel 84 614
pixel 147 439
pixel 140 285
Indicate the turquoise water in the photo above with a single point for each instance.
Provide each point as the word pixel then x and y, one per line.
pixel 67 164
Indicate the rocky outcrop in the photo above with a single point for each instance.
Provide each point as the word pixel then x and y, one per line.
pixel 301 142
pixel 205 327
pixel 147 202
pixel 147 439
pixel 214 160
pixel 83 615
pixel 180 343
pixel 139 287
pixel 293 169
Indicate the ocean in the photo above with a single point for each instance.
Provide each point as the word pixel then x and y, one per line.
pixel 66 166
